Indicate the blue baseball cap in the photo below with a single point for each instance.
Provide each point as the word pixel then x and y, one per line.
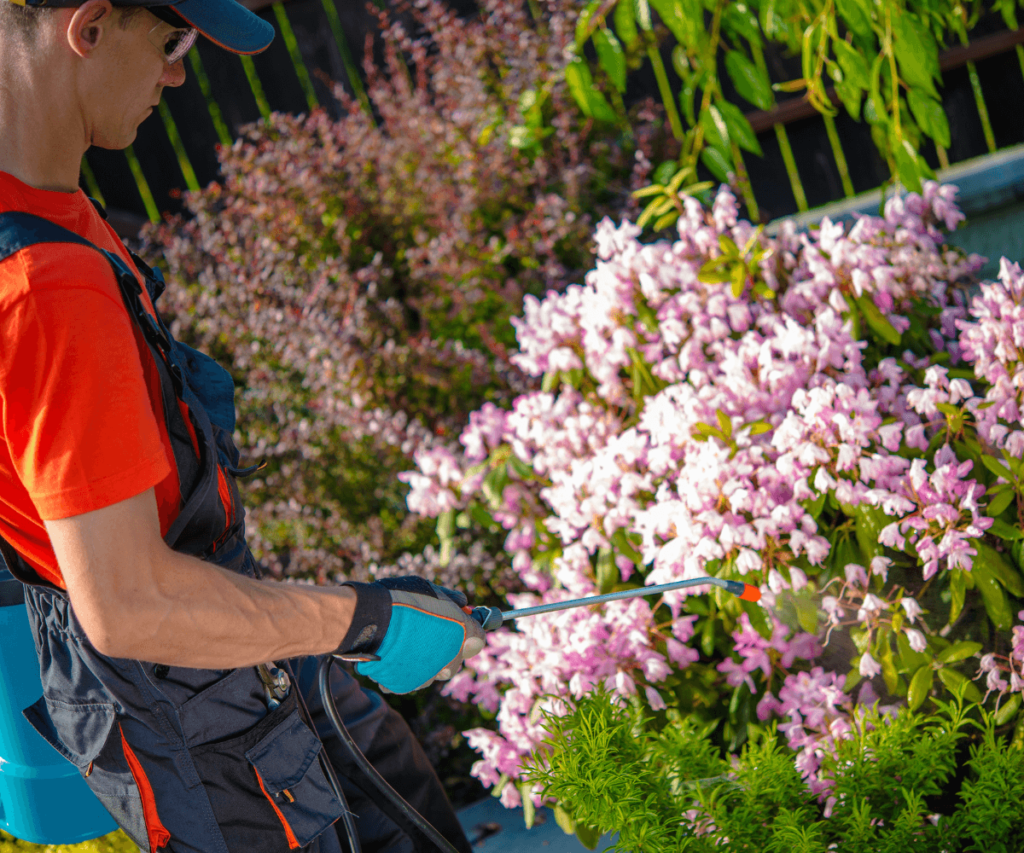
pixel 226 23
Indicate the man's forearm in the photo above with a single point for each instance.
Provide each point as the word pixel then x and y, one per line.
pixel 202 616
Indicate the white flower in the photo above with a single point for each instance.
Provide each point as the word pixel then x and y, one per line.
pixel 912 607
pixel 869 667
pixel 916 639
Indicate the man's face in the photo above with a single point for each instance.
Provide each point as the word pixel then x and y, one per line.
pixel 123 83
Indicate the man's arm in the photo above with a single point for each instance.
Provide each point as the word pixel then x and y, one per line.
pixel 136 598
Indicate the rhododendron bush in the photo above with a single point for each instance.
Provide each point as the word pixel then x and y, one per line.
pixel 834 416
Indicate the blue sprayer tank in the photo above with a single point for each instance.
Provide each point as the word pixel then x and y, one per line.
pixel 43 798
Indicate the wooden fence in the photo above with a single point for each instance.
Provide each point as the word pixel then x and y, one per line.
pixel 808 160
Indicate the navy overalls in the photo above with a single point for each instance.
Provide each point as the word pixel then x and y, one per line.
pixel 208 761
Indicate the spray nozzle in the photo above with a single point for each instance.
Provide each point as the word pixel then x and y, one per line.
pixel 491 618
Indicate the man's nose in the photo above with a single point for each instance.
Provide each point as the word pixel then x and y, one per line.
pixel 174 75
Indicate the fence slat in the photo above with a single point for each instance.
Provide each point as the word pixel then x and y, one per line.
pixel 257 88
pixel 296 56
pixel 212 107
pixel 187 172
pixel 143 185
pixel 837 153
pixel 91 187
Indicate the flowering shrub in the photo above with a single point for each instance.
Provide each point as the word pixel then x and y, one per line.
pixel 827 415
pixel 359 274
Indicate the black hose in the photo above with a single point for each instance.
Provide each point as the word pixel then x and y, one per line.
pixel 406 810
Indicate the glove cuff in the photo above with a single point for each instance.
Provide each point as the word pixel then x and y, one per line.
pixel 370 620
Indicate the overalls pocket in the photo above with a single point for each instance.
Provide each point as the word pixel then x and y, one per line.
pixel 82 734
pixel 78 732
pixel 266 787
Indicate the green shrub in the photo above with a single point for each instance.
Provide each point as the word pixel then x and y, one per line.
pixel 612 771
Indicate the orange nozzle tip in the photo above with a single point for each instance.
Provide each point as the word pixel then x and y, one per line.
pixel 750 593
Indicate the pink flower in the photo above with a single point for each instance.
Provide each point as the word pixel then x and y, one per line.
pixel 654 699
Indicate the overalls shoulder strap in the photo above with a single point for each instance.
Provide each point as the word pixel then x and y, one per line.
pixel 198 406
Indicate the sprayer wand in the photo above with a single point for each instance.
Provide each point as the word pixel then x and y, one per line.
pixel 491 618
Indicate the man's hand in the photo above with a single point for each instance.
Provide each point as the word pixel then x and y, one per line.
pixel 419 631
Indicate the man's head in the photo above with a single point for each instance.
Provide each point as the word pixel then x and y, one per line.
pixel 224 22
pixel 95 69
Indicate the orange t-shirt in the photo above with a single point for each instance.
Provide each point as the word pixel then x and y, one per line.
pixel 79 400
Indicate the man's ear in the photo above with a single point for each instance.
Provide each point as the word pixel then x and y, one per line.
pixel 88 25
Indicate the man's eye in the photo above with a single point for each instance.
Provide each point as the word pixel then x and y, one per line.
pixel 173 40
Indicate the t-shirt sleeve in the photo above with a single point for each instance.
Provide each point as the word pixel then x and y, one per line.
pixel 75 406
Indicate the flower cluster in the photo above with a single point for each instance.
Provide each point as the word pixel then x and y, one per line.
pixel 735 403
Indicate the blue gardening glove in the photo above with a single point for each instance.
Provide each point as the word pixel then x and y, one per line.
pixel 417 630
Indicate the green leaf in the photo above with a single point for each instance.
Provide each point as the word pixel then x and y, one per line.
pixel 857 15
pixel 997 605
pixel 620 539
pixel 908 166
pixel 625 23
pixel 851 97
pixel 814 507
pixel 1007 710
pixel 583 22
pixel 1005 531
pixel 916 53
pixel 930 116
pixel 611 57
pixel 920 687
pixel 716 131
pixel 959 651
pixel 888 665
pixel 707 637
pixel 807 614
pixel 738 18
pixel 529 810
pixel 996 564
pixel 589 836
pixel 738 277
pixel 446 533
pixel 724 422
pixel 682 19
pixel 958 588
pixel 481 516
pixel 589 99
pixel 911 660
pixel 997 467
pixel 564 820
pixel 758 618
pixel 739 128
pixel 751 83
pixel 855 67
pixel 955 681
pixel 607 572
pixel 880 325
pixel 1002 499
pixel 717 163
pixel 493 486
pixel 550 381
pixel 868 523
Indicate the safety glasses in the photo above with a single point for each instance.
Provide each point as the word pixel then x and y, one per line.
pixel 172 43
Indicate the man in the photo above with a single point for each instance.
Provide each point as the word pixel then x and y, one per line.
pixel 118 502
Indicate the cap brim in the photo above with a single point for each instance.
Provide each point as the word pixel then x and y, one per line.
pixel 227 23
